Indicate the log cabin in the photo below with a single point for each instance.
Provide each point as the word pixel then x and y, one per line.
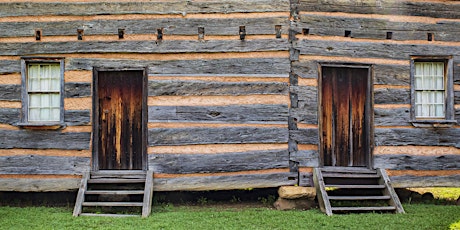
pixel 219 95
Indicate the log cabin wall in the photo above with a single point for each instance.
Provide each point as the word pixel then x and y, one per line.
pixel 383 34
pixel 218 95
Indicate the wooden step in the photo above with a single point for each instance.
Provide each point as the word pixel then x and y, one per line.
pixel 348 170
pixel 382 208
pixel 114 192
pixel 359 197
pixel 108 215
pixel 347 175
pixel 115 181
pixel 113 204
pixel 367 186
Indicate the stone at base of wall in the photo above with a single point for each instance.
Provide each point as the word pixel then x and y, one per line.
pixel 294 204
pixel 295 192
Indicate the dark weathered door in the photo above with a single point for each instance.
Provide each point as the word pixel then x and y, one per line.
pixel 345 118
pixel 119 120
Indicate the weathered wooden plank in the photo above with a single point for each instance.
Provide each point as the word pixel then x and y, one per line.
pixel 229 135
pixel 233 113
pixel 457 97
pixel 35 164
pixel 74 89
pixel 371 49
pixel 412 136
pixel 77 117
pixel 410 181
pixel 38 139
pixel 306 179
pixel 226 182
pixel 306 113
pixel 437 9
pixel 9 116
pixel 392 117
pixel 204 66
pixel 10 92
pixel 409 162
pixel 10 66
pixel 156 7
pixel 304 136
pixel 305 158
pixel 222 162
pixel 305 93
pixel 187 88
pixel 376 28
pixel 39 185
pixel 171 26
pixel 391 96
pixel 166 46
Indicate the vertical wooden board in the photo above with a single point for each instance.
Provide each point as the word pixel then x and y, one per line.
pixel 326 116
pixel 358 102
pixel 341 111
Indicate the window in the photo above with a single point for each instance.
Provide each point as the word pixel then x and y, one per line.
pixel 42 91
pixel 432 91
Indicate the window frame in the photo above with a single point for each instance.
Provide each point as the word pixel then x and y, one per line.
pixel 25 61
pixel 449 115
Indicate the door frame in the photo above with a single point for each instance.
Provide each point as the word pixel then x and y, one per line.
pixel 369 106
pixel 95 113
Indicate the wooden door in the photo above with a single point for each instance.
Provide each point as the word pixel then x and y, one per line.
pixel 345 116
pixel 119 124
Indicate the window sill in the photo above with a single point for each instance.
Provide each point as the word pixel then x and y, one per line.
pixel 41 126
pixel 433 123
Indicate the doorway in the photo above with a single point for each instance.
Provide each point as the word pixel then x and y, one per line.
pixel 346 115
pixel 119 119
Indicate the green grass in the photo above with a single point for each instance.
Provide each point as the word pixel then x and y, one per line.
pixel 440 192
pixel 418 216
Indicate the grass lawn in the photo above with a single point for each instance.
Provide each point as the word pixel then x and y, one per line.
pixel 418 216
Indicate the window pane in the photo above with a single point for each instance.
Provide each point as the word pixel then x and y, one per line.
pixel 34 114
pixel 429 89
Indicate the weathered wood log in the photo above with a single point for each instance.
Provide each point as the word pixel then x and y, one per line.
pixel 74 89
pixel 39 185
pixel 227 182
pixel 166 46
pixel 416 136
pixel 35 164
pixel 406 7
pixel 408 162
pixel 376 28
pixel 392 117
pixel 230 135
pixel 157 7
pixel 10 92
pixel 409 181
pixel 272 114
pixel 306 114
pixel 305 93
pixel 304 136
pixel 186 88
pixel 306 179
pixel 211 66
pixel 391 96
pixel 171 26
pixel 37 139
pixel 9 116
pixel 222 162
pixel 77 117
pixel 305 158
pixel 10 66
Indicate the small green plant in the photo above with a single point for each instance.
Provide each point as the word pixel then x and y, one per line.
pixel 202 200
pixel 269 200
pixel 235 199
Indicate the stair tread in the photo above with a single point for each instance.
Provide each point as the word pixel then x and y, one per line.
pixel 366 186
pixel 114 192
pixel 115 204
pixel 348 170
pixel 359 197
pixel 115 181
pixel 109 215
pixel 375 208
pixel 350 175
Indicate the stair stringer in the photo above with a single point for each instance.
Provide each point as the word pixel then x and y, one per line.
pixel 389 190
pixel 321 193
pixel 81 193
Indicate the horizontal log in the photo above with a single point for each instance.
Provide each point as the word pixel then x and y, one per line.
pixel 74 89
pixel 223 162
pixel 409 181
pixel 199 66
pixel 36 164
pixel 409 162
pixel 227 182
pixel 77 117
pixel 392 117
pixel 306 113
pixel 391 96
pixel 186 88
pixel 230 135
pixel 171 26
pixel 37 139
pixel 347 48
pixel 306 179
pixel 436 9
pixel 10 92
pixel 156 7
pixel 305 158
pixel 304 136
pixel 9 116
pixel 10 66
pixel 417 136
pixel 305 93
pixel 39 185
pixel 376 28
pixel 165 46
pixel 233 113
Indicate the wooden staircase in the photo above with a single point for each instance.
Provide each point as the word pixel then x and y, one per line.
pixel 353 189
pixel 102 193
